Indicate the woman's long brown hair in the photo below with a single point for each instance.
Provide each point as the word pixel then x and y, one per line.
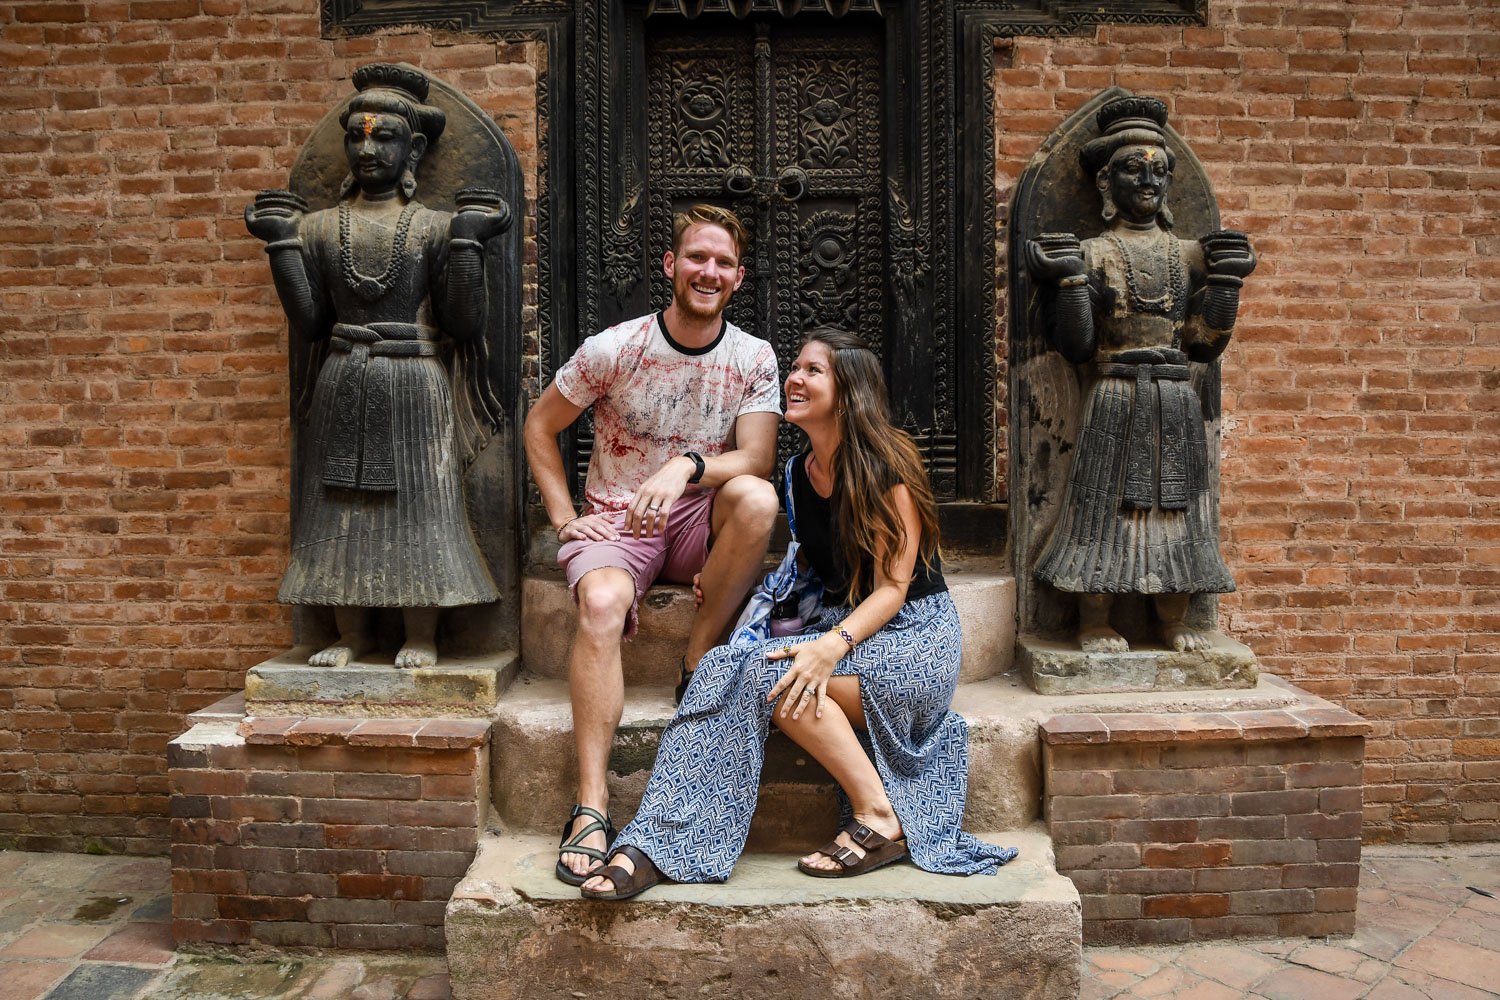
pixel 873 457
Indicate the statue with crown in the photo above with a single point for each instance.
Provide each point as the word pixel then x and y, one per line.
pixel 393 381
pixel 1137 309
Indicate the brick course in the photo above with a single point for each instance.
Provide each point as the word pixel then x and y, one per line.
pixel 143 416
pixel 324 832
pixel 1196 827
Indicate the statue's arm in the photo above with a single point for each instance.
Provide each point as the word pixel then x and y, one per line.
pixel 1061 265
pixel 301 299
pixel 1227 258
pixel 465 304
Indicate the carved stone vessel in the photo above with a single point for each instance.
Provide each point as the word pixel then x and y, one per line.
pixel 1138 316
pixel 401 375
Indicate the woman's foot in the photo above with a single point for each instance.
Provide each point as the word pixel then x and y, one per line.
pixel 629 874
pixel 866 843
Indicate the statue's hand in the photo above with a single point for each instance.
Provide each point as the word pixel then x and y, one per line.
pixel 1055 257
pixel 479 223
pixel 1228 251
pixel 272 222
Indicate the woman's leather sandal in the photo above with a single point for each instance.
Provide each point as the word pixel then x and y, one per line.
pixel 684 678
pixel 624 884
pixel 879 852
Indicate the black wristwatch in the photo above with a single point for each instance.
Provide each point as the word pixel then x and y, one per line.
pixel 700 466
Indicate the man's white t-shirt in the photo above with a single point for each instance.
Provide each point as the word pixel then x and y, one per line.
pixel 654 399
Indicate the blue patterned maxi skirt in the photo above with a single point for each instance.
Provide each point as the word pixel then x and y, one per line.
pixel 695 815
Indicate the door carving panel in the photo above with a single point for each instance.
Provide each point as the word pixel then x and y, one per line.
pixel 784 127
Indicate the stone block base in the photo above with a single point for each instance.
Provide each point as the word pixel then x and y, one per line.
pixel 535 772
pixel 1193 826
pixel 286 685
pixel 323 832
pixel 986 603
pixel 769 933
pixel 1052 667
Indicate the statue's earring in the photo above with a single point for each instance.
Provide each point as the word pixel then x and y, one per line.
pixel 409 180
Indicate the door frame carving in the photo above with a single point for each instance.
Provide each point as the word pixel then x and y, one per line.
pixel 942 52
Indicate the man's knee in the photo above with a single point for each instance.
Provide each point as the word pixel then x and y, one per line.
pixel 604 599
pixel 750 503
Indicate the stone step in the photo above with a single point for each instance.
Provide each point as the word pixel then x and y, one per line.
pixel 534 773
pixel 986 600
pixel 514 931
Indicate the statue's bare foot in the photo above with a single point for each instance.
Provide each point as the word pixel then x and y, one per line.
pixel 341 653
pixel 1101 639
pixel 417 653
pixel 1176 635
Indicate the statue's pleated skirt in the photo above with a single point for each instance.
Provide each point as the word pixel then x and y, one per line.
pixel 408 548
pixel 1098 546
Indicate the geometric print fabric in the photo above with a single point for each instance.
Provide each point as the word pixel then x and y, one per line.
pixel 695 815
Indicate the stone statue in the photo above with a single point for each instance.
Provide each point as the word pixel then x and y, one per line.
pixel 1137 304
pixel 392 297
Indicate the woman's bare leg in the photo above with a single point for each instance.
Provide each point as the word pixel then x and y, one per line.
pixel 833 743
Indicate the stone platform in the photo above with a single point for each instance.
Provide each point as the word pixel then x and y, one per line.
pixel 285 685
pixel 770 933
pixel 986 600
pixel 1053 667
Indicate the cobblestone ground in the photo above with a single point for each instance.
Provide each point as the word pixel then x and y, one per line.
pixel 77 927
pixel 1423 934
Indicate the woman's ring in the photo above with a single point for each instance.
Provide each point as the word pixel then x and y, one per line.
pixel 786 650
pixel 655 506
pixel 807 692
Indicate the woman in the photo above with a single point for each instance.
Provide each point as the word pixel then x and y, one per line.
pixel 884 658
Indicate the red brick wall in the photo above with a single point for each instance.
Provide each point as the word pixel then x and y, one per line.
pixel 1356 142
pixel 143 410
pixel 328 833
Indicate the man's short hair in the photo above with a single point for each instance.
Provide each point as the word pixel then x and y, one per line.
pixel 710 215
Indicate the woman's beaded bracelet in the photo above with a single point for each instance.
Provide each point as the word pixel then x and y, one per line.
pixel 844 634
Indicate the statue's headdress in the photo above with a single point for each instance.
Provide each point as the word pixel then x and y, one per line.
pixel 1126 121
pixel 385 88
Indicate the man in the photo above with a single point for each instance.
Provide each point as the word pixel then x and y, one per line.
pixel 685 413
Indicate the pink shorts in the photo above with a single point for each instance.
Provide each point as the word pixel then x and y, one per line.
pixel 672 556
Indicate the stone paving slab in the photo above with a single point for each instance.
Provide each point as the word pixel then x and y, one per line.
pixel 1422 934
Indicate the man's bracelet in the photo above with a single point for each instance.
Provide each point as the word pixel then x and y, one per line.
pixel 565 524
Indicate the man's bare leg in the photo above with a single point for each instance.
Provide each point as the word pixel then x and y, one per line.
pixel 744 515
pixel 353 642
pixel 597 685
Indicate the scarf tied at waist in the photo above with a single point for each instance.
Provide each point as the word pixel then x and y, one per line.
pixel 359 452
pixel 1156 442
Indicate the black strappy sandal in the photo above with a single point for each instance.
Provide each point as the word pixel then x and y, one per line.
pixel 574 844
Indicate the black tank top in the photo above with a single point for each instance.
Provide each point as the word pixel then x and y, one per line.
pixel 815 532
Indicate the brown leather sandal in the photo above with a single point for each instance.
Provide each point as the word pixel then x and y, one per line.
pixel 626 884
pixel 879 852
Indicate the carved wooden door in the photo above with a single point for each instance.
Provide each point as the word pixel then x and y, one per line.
pixel 783 125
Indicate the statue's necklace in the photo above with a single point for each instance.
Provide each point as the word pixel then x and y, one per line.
pixel 1138 260
pixel 364 286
